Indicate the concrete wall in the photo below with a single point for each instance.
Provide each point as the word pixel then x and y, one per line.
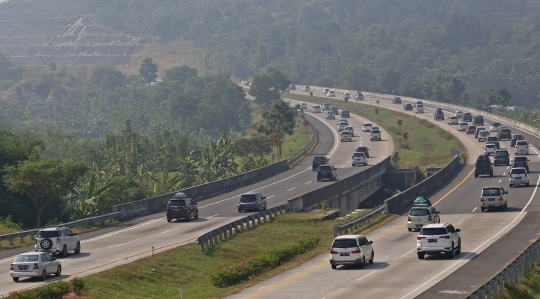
pixel 345 194
pixel 399 178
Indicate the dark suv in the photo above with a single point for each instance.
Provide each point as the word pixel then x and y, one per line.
pixel 251 201
pixel 478 131
pixel 521 162
pixel 318 160
pixel 483 166
pixel 515 138
pixel 396 100
pixel 501 156
pixel 181 206
pixel 439 114
pixel 326 172
pixel 345 113
pixel 504 133
pixel 494 140
pixel 408 107
pixel 467 117
pixel 478 120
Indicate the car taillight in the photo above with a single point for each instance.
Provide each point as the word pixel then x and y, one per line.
pixel 358 250
pixel 167 208
pixel 500 198
pixel 185 208
pixel 444 237
pixel 317 169
pixel 429 218
pixel 57 240
pixel 36 266
pixel 11 267
pixel 332 251
pixel 482 200
pixel 409 218
pixel 420 238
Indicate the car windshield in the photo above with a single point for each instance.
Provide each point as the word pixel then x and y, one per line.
pixel 496 124
pixel 501 153
pixel 491 192
pixel 520 159
pixel 518 171
pixel 324 168
pixel 26 258
pixel 177 202
pixel 419 212
pixel 248 198
pixel 344 243
pixel 430 231
pixel 48 234
pixel 318 159
pixel 374 131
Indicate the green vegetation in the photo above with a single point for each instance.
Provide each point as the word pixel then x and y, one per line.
pixel 53 290
pixel 528 287
pixel 411 150
pixel 186 267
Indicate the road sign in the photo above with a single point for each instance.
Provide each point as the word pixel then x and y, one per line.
pixel 406 135
pixel 306 123
pixel 425 141
pixel 400 122
pixel 276 142
pixel 377 111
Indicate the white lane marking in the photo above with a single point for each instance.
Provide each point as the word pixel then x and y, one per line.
pixel 120 244
pixel 291 189
pixel 212 216
pixel 366 275
pixel 122 230
pixel 408 252
pixel 504 174
pixel 307 183
pixel 461 221
pixel 500 180
pixel 474 209
pixel 473 252
pixel 270 196
pixel 507 167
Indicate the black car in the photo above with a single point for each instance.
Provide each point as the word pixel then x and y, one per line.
pixel 335 110
pixel 478 131
pixel 326 172
pixel 345 113
pixel 504 133
pixel 494 140
pixel 521 162
pixel 483 166
pixel 181 206
pixel 502 156
pixel 478 120
pixel 439 114
pixel 252 201
pixel 292 87
pixel 396 100
pixel 408 107
pixel 467 117
pixel 515 138
pixel 318 160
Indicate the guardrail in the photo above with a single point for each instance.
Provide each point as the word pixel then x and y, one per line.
pixel 355 224
pixel 227 231
pixel 34 232
pixel 308 147
pixel 512 273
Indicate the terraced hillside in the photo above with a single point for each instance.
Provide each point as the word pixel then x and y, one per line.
pixel 34 32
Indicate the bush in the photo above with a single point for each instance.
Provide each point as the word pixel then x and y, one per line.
pixel 77 285
pixel 268 260
pixel 446 135
pixel 395 129
pixel 9 224
pixel 426 123
pixel 53 290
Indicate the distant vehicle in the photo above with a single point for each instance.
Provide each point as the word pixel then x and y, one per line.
pixel 494 127
pixel 459 114
pixel 181 207
pixel 490 149
pixel 341 126
pixel 478 120
pixel 421 215
pixel 504 133
pixel 57 240
pixel 483 135
pixel 375 135
pixel 316 109
pixel 419 108
pixel 346 96
pixel 363 149
pixel 325 90
pixel 478 130
pixel 515 138
pixel 326 172
pixel 437 238
pixel 366 127
pixel 453 120
pixel 522 147
pixel 359 96
pixel 396 100
pixel 521 162
pixel 494 140
pixel 408 107
pixel 493 196
pixel 349 129
pixel 325 106
pixel 462 126
pixel 319 160
pixel 34 264
pixel 292 87
pixel 306 88
pixel 330 115
pixel 467 117
pixel 252 201
pixel 346 136
pixel 246 83
pixel 343 121
pixel 345 113
pixel 470 130
pixel 483 166
pixel 335 110
pixel 359 158
pixel 439 114
pixel 351 250
pixel 502 156
pixel 303 105
pixel 331 94
pixel 518 176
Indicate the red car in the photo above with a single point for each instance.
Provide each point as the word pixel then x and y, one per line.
pixel 470 130
pixel 363 149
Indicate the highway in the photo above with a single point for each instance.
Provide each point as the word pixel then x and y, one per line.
pixel 397 272
pixel 128 241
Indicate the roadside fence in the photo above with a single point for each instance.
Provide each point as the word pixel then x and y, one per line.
pixel 355 224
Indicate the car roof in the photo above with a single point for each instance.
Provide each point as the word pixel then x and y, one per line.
pixel 31 253
pixel 325 165
pixel 51 228
pixel 250 193
pixel 519 168
pixel 348 236
pixel 494 187
pixel 436 225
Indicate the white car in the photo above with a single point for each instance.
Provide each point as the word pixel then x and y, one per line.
pixel 346 96
pixel 341 126
pixel 331 94
pixel 366 127
pixel 419 108
pixel 494 127
pixel 359 158
pixel 493 196
pixel 303 105
pixel 522 147
pixel 453 120
pixel 359 96
pixel 306 88
pixel 326 106
pixel 57 239
pixel 316 109
pixel 483 135
pixel 351 250
pixel 462 126
pixel 34 264
pixel 438 238
pixel 325 90
pixel 375 135
pixel 490 149
pixel 459 114
pixel 518 176
pixel 330 115
pixel 348 129
pixel 346 136
pixel 421 215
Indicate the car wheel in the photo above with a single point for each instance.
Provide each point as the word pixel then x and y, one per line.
pixel 64 251
pixel 333 266
pixel 511 185
pixel 43 275
pixel 78 248
pixel 475 175
pixel 58 271
pixel 491 174
pixel 506 206
pixel 318 180
pixel 197 214
pixel 239 211
pixel 15 279
pixel 421 255
pixel 363 263
pixel 372 259
pixel 169 219
pixel 458 250
pixel 450 253
pixel 482 209
pixel 265 206
pixel 409 229
pixel 188 218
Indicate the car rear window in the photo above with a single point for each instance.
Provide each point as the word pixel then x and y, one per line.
pixel 177 202
pixel 491 192
pixel 318 159
pixel 344 111
pixel 345 133
pixel 496 124
pixel 518 171
pixel 344 243
pixel 26 258
pixel 367 125
pixel 501 153
pixel 358 154
pixel 408 105
pixel 248 198
pixel 517 136
pixel 520 159
pixel 505 131
pixel 430 231
pixel 490 145
pixel 419 212
pixel 374 131
pixel 49 234
pixel 472 128
pixel 521 143
pixel 324 168
pixel 483 133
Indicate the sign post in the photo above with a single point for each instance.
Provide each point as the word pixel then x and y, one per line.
pixel 277 143
pixel 400 123
pixel 306 124
pixel 425 141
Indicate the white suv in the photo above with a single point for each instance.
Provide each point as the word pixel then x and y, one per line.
pixel 348 129
pixel 490 149
pixel 493 196
pixel 518 176
pixel 58 240
pixel 375 135
pixel 359 158
pixel 345 136
pixel 351 250
pixel 438 238
pixel 421 215
pixel 331 94
pixel 522 147
pixel 366 127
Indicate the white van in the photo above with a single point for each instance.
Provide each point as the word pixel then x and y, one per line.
pixel 316 109
pixel 522 147
pixel 303 105
pixel 419 107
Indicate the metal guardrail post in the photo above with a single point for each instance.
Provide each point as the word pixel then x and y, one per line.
pixel 220 233
pixel 201 243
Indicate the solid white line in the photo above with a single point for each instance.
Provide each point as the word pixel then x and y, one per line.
pixel 307 183
pixel 473 252
pixel 408 252
pixel 366 275
pixel 270 196
pixel 291 189
pixel 474 209
pixel 120 244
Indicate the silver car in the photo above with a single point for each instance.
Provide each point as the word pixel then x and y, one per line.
pixel 35 264
pixel 345 136
pixel 421 215
pixel 518 176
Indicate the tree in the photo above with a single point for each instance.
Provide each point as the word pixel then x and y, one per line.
pixel 148 71
pixel 43 180
pixel 500 97
pixel 278 121
pixel 268 86
pixel 83 200
pixel 389 80
pixel 179 74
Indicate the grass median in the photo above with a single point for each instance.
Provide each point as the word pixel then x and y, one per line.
pixel 188 269
pixel 412 151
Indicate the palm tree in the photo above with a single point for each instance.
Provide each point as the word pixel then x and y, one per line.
pixel 84 200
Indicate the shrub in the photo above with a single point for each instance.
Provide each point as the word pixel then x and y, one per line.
pixel 446 135
pixel 395 129
pixel 426 123
pixel 53 290
pixel 268 260
pixel 77 285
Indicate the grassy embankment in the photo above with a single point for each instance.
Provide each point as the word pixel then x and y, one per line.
pixel 528 287
pixel 411 151
pixel 187 268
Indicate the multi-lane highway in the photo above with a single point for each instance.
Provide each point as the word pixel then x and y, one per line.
pixel 397 271
pixel 134 239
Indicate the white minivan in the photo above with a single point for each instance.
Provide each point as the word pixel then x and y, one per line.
pixel 522 147
pixel 351 250
pixel 316 109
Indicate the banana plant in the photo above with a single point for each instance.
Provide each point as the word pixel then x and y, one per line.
pixel 84 201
